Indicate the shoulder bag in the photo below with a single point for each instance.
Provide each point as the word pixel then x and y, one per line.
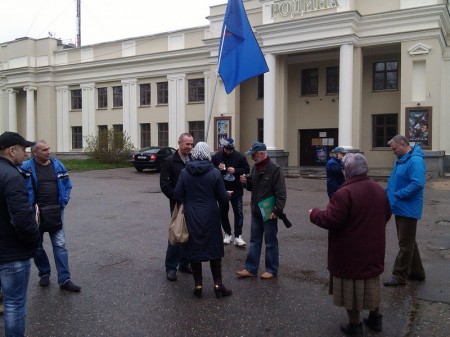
pixel 178 232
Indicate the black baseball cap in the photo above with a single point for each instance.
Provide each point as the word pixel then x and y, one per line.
pixel 8 139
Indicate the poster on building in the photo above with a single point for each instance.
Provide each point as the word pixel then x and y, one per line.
pixel 418 126
pixel 222 130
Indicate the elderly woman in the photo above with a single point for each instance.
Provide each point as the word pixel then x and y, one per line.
pixel 356 220
pixel 200 187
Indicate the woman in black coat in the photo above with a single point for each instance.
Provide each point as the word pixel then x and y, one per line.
pixel 200 187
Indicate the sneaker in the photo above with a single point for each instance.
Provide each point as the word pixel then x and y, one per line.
pixel 70 286
pixel 44 281
pixel 227 239
pixel 239 242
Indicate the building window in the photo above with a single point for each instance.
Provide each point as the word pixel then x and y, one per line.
pixel 163 134
pixel 102 98
pixel 260 130
pixel 310 81
pixel 118 136
pixel 76 99
pixel 117 97
pixel 197 130
pixel 145 97
pixel 102 128
pixel 261 86
pixel 145 135
pixel 385 75
pixel 162 92
pixel 332 80
pixel 385 127
pixel 196 90
pixel 77 137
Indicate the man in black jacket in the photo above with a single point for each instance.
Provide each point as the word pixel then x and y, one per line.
pixel 232 164
pixel 19 233
pixel 170 172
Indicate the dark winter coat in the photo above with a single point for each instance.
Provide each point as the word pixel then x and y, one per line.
pixel 19 233
pixel 200 187
pixel 356 220
pixel 241 166
pixel 169 173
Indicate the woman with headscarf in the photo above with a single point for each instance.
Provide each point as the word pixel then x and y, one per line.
pixel 356 220
pixel 200 187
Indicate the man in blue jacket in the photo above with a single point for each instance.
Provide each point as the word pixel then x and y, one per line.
pixel 405 193
pixel 49 184
pixel 19 233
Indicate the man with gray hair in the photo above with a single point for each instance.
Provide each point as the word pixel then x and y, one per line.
pixel 405 193
pixel 356 220
pixel 49 184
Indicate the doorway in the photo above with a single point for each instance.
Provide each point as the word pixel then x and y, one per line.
pixel 316 145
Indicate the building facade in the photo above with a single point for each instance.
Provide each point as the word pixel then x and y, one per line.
pixel 342 72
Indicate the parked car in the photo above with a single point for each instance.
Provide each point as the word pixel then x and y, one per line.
pixel 151 157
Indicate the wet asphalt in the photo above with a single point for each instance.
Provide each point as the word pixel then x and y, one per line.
pixel 116 232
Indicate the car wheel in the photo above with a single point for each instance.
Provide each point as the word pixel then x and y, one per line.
pixel 138 169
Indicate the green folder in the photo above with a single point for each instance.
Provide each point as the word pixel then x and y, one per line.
pixel 266 207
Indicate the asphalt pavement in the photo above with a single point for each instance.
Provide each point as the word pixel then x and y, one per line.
pixel 116 232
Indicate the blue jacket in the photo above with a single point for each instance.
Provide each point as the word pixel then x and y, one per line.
pixel 406 183
pixel 335 175
pixel 62 176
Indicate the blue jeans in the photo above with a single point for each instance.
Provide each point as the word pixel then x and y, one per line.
pixel 175 256
pixel 236 204
pixel 60 254
pixel 259 229
pixel 14 278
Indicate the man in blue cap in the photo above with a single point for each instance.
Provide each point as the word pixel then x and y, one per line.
pixel 232 164
pixel 269 196
pixel 334 168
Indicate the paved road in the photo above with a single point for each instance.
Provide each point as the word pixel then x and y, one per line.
pixel 116 231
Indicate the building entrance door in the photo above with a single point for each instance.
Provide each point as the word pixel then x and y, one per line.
pixel 316 145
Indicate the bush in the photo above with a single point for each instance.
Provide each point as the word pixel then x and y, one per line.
pixel 109 146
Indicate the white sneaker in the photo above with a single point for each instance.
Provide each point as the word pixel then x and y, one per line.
pixel 239 242
pixel 227 239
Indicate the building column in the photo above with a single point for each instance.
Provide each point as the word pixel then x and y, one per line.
pixel 177 107
pixel 31 117
pixel 208 107
pixel 130 110
pixel 88 110
pixel 63 132
pixel 12 110
pixel 270 102
pixel 346 96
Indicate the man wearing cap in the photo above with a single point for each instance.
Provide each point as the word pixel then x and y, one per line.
pixel 266 181
pixel 232 164
pixel 49 184
pixel 19 232
pixel 335 173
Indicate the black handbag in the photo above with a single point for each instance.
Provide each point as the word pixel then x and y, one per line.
pixel 50 218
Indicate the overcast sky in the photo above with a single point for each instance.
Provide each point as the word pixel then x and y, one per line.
pixel 101 20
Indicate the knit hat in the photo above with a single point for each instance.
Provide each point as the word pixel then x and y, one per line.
pixel 201 151
pixel 229 143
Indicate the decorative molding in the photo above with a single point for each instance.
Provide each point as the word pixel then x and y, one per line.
pixel 419 49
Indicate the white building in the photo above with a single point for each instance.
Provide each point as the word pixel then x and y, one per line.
pixel 352 73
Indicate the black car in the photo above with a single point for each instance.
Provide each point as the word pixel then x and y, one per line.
pixel 151 157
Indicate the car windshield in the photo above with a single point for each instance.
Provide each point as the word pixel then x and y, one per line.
pixel 150 149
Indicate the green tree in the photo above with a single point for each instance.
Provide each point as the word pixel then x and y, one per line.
pixel 109 146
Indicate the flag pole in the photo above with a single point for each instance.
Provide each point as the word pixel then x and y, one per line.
pixel 215 86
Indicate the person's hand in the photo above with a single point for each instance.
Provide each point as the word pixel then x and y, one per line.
pixel 243 179
pixel 222 166
pixel 273 216
pixel 231 170
pixel 230 193
pixel 309 212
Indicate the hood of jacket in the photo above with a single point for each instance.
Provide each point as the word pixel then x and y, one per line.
pixel 199 167
pixel 416 151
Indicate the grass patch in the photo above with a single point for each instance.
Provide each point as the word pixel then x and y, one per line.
pixel 90 164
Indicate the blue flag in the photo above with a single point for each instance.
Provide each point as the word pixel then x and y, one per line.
pixel 240 56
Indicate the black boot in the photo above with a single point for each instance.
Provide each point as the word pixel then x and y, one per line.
pixel 198 278
pixel 353 330
pixel 216 271
pixel 374 322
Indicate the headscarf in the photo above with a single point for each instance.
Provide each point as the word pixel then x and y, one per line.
pixel 201 151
